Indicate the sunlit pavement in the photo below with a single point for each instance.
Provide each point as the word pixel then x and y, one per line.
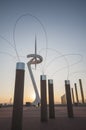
pixel 31 119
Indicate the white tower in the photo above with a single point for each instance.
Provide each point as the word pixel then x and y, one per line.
pixel 35 59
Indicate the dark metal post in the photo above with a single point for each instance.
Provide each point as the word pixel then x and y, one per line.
pixel 82 94
pixel 18 97
pixel 68 97
pixel 72 96
pixel 76 93
pixel 43 99
pixel 51 99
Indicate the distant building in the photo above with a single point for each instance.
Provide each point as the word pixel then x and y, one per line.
pixel 63 99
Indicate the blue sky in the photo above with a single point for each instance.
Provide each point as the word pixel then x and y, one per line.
pixel 65 24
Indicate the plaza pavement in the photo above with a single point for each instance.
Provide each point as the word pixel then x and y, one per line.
pixel 31 119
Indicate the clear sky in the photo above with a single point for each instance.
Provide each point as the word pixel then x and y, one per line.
pixel 60 25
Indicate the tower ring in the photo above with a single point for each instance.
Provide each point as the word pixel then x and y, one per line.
pixel 36 59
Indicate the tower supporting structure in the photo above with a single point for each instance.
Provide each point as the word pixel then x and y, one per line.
pixel 36 102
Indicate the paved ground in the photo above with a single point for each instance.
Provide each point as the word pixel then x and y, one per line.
pixel 31 119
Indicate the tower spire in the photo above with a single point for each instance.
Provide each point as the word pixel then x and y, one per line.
pixel 35 50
